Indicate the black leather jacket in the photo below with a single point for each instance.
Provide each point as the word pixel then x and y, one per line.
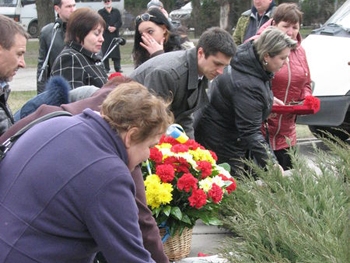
pixel 45 37
pixel 240 100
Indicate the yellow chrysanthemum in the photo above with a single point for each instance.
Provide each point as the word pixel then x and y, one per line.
pixel 157 193
pixel 151 179
pixel 202 155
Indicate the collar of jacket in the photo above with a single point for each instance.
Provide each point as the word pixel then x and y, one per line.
pixel 84 51
pixel 192 62
pixel 272 4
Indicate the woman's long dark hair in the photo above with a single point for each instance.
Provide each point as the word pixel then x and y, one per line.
pixel 171 43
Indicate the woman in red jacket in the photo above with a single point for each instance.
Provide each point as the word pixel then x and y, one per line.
pixel 290 85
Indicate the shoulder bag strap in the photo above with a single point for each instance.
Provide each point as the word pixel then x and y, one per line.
pixel 6 146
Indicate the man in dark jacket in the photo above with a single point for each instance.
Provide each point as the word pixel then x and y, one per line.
pixel 113 21
pixel 182 76
pixel 63 8
pixel 13 42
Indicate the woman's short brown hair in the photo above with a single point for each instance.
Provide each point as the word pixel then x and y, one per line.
pixel 81 22
pixel 288 12
pixel 132 105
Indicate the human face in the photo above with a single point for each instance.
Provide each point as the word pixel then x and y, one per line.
pixel 13 59
pixel 275 63
pixel 66 9
pixel 213 65
pixel 93 41
pixel 290 29
pixel 261 5
pixel 139 152
pixel 151 29
pixel 108 3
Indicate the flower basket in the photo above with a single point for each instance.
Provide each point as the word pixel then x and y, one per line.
pixel 183 183
pixel 178 246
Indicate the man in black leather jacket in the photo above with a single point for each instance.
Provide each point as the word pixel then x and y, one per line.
pixel 63 8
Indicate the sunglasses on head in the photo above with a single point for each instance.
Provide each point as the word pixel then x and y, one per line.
pixel 144 17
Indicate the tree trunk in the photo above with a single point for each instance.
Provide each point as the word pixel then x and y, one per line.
pixel 45 12
pixel 224 16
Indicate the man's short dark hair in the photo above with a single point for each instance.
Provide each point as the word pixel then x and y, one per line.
pixel 57 2
pixel 215 40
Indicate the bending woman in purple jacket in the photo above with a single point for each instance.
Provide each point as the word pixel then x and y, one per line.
pixel 68 191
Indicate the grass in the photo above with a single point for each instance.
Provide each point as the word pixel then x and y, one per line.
pixel 302 217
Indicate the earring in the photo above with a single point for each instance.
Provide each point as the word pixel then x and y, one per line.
pixel 265 63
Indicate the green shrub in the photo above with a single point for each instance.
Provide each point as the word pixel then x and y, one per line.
pixel 303 217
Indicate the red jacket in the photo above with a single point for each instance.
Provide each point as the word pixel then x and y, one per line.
pixel 290 84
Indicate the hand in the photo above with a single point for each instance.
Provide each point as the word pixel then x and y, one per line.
pixel 112 29
pixel 277 101
pixel 149 43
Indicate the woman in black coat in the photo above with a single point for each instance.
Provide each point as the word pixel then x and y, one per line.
pixel 240 101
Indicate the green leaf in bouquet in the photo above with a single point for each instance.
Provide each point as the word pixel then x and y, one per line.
pixel 186 219
pixel 226 166
pixel 167 210
pixel 176 212
pixel 211 220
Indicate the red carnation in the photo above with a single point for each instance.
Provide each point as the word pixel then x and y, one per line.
pixel 168 139
pixel 312 103
pixel 179 148
pixel 198 198
pixel 233 184
pixel 187 182
pixel 192 144
pixel 156 155
pixel 213 154
pixel 183 166
pixel 215 193
pixel 205 167
pixel 165 172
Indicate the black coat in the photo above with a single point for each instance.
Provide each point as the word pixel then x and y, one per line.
pixel 231 124
pixel 113 18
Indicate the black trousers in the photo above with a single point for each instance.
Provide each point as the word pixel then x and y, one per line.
pixel 116 63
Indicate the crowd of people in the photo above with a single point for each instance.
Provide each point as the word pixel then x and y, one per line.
pixel 70 178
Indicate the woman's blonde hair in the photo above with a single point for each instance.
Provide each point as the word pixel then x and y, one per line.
pixel 132 105
pixel 272 41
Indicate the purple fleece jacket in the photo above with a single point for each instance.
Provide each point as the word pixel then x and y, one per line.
pixel 66 193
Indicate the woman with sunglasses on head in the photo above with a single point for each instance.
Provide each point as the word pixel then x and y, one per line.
pixel 154 35
pixel 79 62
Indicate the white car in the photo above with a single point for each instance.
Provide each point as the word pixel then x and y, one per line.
pixel 328 54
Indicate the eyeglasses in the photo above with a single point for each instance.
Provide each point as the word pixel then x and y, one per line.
pixel 144 17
